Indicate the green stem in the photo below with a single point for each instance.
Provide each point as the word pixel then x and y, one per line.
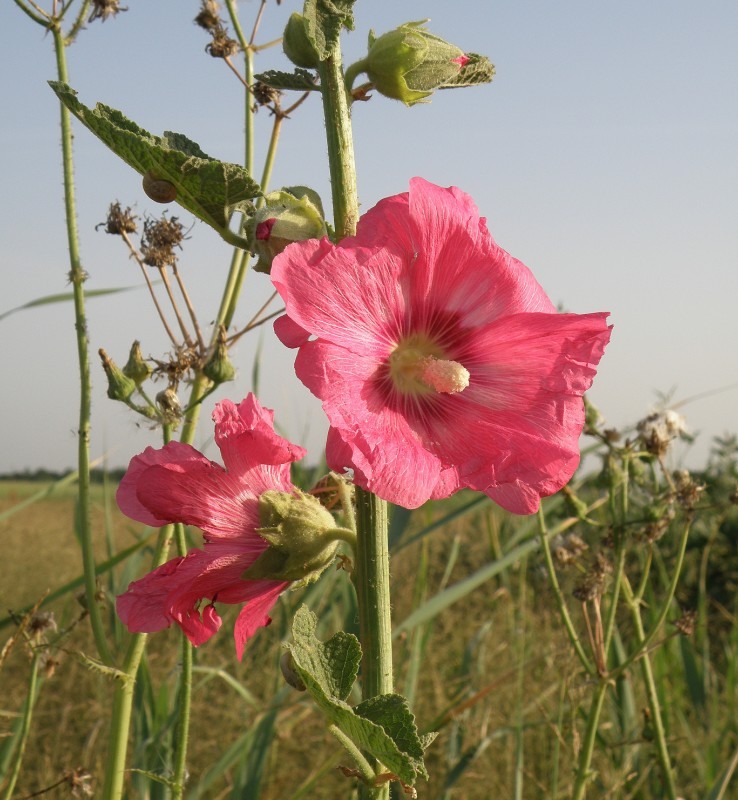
pixel 590 736
pixel 372 581
pixel 340 146
pixel 77 278
pixel 558 594
pixel 659 734
pixel 25 728
pixel 371 573
pixel 121 720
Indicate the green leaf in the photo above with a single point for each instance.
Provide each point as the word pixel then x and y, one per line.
pixel 63 298
pixel 335 664
pixel 324 20
pixel 382 726
pixel 301 80
pixel 479 69
pixel 210 189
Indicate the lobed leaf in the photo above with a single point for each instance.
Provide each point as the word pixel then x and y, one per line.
pixel 210 189
pixel 382 726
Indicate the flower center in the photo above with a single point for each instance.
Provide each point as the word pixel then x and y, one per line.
pixel 417 366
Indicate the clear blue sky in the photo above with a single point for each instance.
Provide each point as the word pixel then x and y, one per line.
pixel 604 155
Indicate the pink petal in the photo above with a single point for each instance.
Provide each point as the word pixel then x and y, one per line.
pixel 251 449
pixel 289 332
pixel 387 456
pixel 174 591
pixel 255 614
pixel 350 296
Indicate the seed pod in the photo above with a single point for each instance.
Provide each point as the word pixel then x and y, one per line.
pixel 159 190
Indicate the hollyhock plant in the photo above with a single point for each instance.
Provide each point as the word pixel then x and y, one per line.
pixel 439 359
pixel 239 509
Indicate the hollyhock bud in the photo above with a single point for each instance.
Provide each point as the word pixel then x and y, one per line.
pixel 292 214
pixel 296 45
pixel 219 367
pixel 409 63
pixel 301 537
pixel 136 368
pixel 120 386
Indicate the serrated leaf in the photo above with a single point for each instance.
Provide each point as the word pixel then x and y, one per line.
pixel 301 80
pixel 324 20
pixel 333 664
pixel 479 69
pixel 210 189
pixel 382 726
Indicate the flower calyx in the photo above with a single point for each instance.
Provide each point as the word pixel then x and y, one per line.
pixel 136 367
pixel 120 386
pixel 219 368
pixel 302 538
pixel 409 63
pixel 291 214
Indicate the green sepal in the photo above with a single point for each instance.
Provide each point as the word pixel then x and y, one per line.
pixel 478 69
pixel 301 80
pixel 324 20
pixel 382 726
pixel 210 189
pixel 301 537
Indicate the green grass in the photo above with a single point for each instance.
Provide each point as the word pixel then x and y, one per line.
pixel 493 671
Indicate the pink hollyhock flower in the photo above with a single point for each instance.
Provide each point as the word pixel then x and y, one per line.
pixel 440 361
pixel 178 484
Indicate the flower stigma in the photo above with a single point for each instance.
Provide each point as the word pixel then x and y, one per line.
pixel 417 366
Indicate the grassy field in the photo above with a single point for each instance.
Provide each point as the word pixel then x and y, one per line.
pixel 494 671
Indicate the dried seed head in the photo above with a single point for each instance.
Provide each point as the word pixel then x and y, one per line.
pixel 594 582
pixel 658 430
pixel 102 9
pixel 687 489
pixel 160 237
pixel 264 94
pixel 42 622
pixel 687 622
pixel 118 221
pixel 222 45
pixel 208 17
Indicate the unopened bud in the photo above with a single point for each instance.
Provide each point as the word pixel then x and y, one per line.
pixel 120 386
pixel 296 44
pixel 409 63
pixel 219 367
pixel 292 214
pixel 136 368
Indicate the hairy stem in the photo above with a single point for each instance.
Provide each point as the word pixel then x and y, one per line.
pixel 77 277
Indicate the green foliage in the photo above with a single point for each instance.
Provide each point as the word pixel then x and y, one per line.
pixel 210 189
pixel 301 80
pixel 382 726
pixel 324 20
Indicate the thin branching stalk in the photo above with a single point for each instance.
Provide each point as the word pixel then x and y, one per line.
pixel 77 277
pixel 175 307
pixel 144 271
pixel 560 600
pixel 590 736
pixel 656 720
pixel 189 306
